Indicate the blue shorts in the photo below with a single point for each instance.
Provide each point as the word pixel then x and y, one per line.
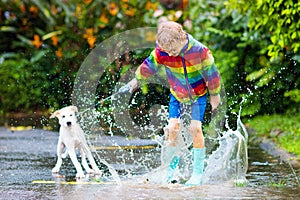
pixel 197 108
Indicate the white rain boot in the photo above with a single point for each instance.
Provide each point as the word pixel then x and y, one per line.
pixel 198 167
pixel 172 160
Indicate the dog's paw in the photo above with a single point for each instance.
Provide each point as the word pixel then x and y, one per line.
pixel 80 175
pixel 57 175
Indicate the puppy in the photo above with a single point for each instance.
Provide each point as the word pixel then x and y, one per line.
pixel 71 137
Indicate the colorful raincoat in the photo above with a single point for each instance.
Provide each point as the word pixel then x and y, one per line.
pixel 190 75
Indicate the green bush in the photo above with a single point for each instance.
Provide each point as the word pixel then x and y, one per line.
pixel 43 43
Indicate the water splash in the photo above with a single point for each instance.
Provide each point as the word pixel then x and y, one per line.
pixel 230 160
pixel 227 151
pixel 117 153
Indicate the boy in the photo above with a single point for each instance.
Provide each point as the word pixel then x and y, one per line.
pixel 192 74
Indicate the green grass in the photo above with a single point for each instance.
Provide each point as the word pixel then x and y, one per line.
pixel 240 182
pixel 279 184
pixel 282 129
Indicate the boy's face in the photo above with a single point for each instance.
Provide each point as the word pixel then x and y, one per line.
pixel 173 48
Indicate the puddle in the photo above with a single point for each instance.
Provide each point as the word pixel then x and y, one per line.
pixel 27 156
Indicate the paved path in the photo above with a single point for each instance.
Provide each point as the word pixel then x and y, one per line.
pixel 29 155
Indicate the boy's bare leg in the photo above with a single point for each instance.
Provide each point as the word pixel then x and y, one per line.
pixel 197 134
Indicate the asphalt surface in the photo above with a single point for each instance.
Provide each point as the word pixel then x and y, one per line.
pixel 28 156
pixel 25 156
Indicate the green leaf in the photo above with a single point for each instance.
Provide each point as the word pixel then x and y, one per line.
pixel 38 56
pixel 133 2
pixel 265 80
pixel 25 40
pixel 274 39
pixel 51 34
pixel 9 55
pixel 8 29
pixel 45 10
pixel 125 69
pixel 281 43
pixel 294 95
pixel 256 74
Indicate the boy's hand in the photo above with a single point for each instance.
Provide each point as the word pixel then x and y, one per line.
pixel 215 101
pixel 125 88
pixel 131 85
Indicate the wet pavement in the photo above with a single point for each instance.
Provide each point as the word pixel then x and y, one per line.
pixel 28 156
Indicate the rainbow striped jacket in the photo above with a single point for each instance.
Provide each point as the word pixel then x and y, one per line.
pixel 190 75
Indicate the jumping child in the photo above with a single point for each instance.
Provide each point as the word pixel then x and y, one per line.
pixel 192 75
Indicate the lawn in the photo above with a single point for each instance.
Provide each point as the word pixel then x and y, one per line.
pixel 284 130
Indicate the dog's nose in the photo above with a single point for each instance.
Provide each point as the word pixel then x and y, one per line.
pixel 69 123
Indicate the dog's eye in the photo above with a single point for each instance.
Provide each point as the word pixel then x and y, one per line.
pixel 63 116
pixel 71 115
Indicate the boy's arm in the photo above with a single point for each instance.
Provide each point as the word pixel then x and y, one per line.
pixel 212 78
pixel 147 68
pixel 211 74
pixel 144 71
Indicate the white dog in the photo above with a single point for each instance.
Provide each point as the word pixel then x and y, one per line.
pixel 71 137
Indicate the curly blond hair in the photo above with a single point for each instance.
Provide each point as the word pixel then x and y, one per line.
pixel 170 33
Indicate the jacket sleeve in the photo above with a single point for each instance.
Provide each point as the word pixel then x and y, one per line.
pixel 148 68
pixel 211 74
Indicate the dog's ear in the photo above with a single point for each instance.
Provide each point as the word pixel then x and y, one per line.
pixel 74 108
pixel 55 114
